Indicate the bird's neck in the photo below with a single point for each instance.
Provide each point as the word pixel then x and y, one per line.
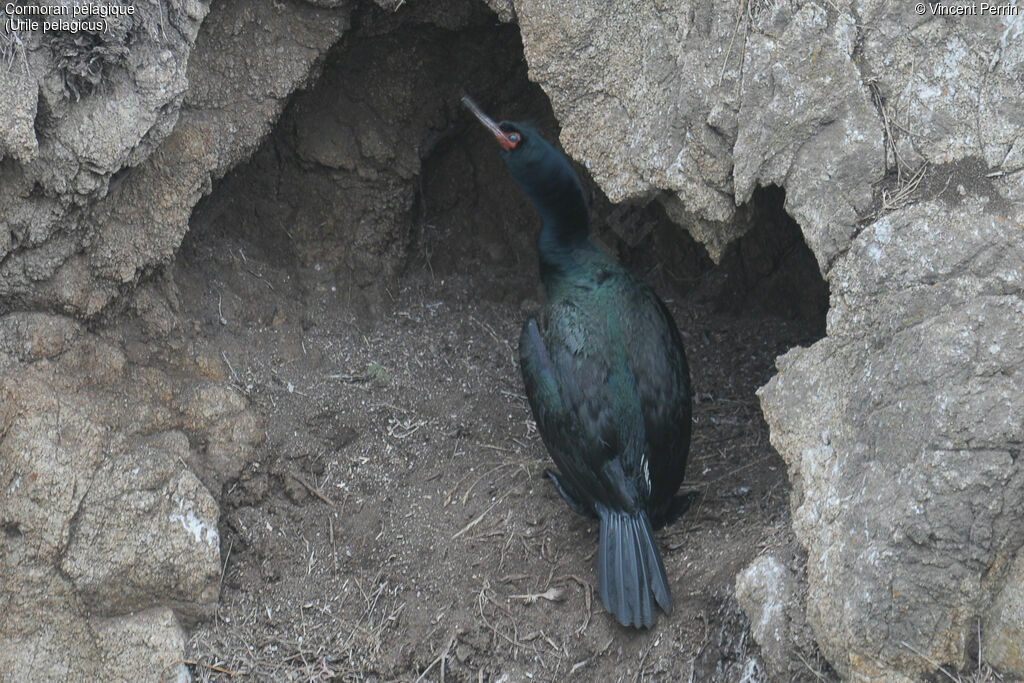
pixel 565 222
pixel 559 254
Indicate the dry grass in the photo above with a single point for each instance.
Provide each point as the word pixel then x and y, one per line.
pixel 11 45
pixel 84 59
pixel 907 178
pixel 345 646
pixel 904 193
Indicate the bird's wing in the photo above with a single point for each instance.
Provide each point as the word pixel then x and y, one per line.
pixel 658 362
pixel 558 426
pixel 595 388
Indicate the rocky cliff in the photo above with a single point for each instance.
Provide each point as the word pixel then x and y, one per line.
pixel 896 134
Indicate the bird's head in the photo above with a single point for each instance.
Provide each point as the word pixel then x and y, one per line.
pixel 536 164
pixel 508 135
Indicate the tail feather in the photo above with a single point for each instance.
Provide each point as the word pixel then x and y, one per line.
pixel 644 583
pixel 631 575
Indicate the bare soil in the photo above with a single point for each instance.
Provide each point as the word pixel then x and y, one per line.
pixel 397 524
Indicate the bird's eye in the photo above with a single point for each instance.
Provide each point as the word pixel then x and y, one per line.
pixel 514 138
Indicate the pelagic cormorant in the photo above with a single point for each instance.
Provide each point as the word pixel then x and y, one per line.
pixel 608 382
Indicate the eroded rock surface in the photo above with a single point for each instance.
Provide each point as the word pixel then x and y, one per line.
pixel 899 430
pixel 772 594
pixel 692 104
pixel 339 183
pixel 103 179
pixel 902 427
pixel 114 441
pixel 898 139
pixel 1003 623
pixel 101 513
pixel 69 135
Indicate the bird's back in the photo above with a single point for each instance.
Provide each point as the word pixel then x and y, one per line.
pixel 620 366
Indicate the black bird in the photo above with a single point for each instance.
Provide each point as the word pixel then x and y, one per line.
pixel 608 382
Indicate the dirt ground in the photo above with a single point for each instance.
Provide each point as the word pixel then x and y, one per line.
pixel 397 524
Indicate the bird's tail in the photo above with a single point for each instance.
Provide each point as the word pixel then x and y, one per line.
pixel 629 568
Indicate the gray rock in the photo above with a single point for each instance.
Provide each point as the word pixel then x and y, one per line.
pixel 145 533
pixel 769 595
pixel 137 644
pixel 505 10
pixel 143 646
pixel 69 135
pixel 948 85
pixel 18 111
pixel 1002 631
pixel 109 191
pixel 899 432
pixel 807 123
pixel 698 105
pixel 646 94
pixel 109 530
pixel 105 528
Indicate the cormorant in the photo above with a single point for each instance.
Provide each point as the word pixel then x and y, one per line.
pixel 608 383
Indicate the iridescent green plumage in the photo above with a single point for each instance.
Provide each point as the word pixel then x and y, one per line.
pixel 608 383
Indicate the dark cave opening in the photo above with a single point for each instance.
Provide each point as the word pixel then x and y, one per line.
pixel 383 207
pixel 376 171
pixel 770 268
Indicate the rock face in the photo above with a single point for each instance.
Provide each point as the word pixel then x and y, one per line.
pixel 112 440
pixel 902 428
pixel 1003 623
pixel 899 142
pixel 908 491
pixel 101 513
pixel 103 176
pixel 767 590
pixel 87 106
pixel 684 103
pixel 342 169
pixel 897 139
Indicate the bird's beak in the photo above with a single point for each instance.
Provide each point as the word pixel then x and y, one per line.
pixel 499 134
